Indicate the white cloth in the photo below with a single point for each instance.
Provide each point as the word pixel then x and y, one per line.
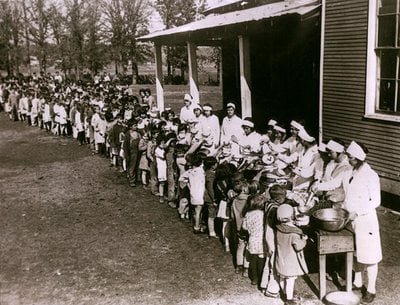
pixel 363 196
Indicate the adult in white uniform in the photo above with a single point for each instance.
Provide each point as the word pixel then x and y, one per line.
pixel 231 125
pixel 210 124
pixel 250 142
pixel 336 171
pixel 305 172
pixel 362 197
pixel 187 113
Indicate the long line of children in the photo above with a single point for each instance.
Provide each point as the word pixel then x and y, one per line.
pixel 254 219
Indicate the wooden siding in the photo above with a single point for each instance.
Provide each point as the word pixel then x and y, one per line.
pixel 344 81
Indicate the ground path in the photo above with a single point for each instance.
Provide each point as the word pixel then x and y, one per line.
pixel 73 232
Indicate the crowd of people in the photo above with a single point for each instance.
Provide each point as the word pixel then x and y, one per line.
pixel 229 181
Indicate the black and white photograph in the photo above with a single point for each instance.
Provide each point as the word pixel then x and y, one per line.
pixel 199 152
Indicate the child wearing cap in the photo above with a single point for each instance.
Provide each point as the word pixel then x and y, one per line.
pixel 291 241
pixel 253 223
pixel 269 282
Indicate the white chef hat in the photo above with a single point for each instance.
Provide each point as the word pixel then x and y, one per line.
pixel 335 146
pixel 356 151
pixel 279 128
pixel 231 105
pixel 207 107
pixel 247 123
pixel 322 147
pixel 272 122
pixel 305 136
pixel 296 125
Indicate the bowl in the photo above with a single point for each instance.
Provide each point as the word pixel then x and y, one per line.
pixel 304 209
pixel 342 298
pixel 302 220
pixel 330 219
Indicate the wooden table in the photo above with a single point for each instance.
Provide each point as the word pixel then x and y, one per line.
pixel 334 242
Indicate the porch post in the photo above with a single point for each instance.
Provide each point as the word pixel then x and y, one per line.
pixel 159 77
pixel 245 78
pixel 193 77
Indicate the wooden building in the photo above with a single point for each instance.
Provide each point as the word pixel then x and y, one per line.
pixel 335 63
pixel 360 80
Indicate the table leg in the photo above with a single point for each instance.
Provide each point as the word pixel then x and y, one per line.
pixel 349 266
pixel 322 276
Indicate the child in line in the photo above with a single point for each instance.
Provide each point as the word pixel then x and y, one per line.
pixel 196 179
pixel 210 165
pixel 144 165
pixel 253 222
pixel 150 153
pixel 290 262
pixel 131 150
pixel 242 189
pixel 269 281
pixel 161 164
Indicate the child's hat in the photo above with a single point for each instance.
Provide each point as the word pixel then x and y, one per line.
pixel 285 212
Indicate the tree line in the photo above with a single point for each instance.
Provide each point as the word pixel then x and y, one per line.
pixel 87 35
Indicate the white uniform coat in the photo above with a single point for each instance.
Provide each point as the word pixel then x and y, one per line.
pixel 307 161
pixel 231 126
pixel 211 124
pixel 363 196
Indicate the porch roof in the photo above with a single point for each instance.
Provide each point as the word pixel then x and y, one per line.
pixel 213 21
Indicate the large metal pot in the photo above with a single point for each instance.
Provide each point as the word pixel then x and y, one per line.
pixel 330 219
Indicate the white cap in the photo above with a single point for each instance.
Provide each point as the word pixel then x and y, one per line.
pixel 272 122
pixel 305 136
pixel 335 146
pixel 247 123
pixel 356 151
pixel 231 105
pixel 322 147
pixel 188 97
pixel 296 125
pixel 280 129
pixel 207 107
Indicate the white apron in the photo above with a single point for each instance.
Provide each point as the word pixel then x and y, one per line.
pixel 362 190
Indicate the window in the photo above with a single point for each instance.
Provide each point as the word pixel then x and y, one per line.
pixel 383 70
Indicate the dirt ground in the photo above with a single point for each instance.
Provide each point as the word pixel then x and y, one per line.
pixel 73 232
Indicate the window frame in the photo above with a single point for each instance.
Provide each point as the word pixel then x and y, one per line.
pixel 373 62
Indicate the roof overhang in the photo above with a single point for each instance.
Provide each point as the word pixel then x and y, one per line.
pixel 240 17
